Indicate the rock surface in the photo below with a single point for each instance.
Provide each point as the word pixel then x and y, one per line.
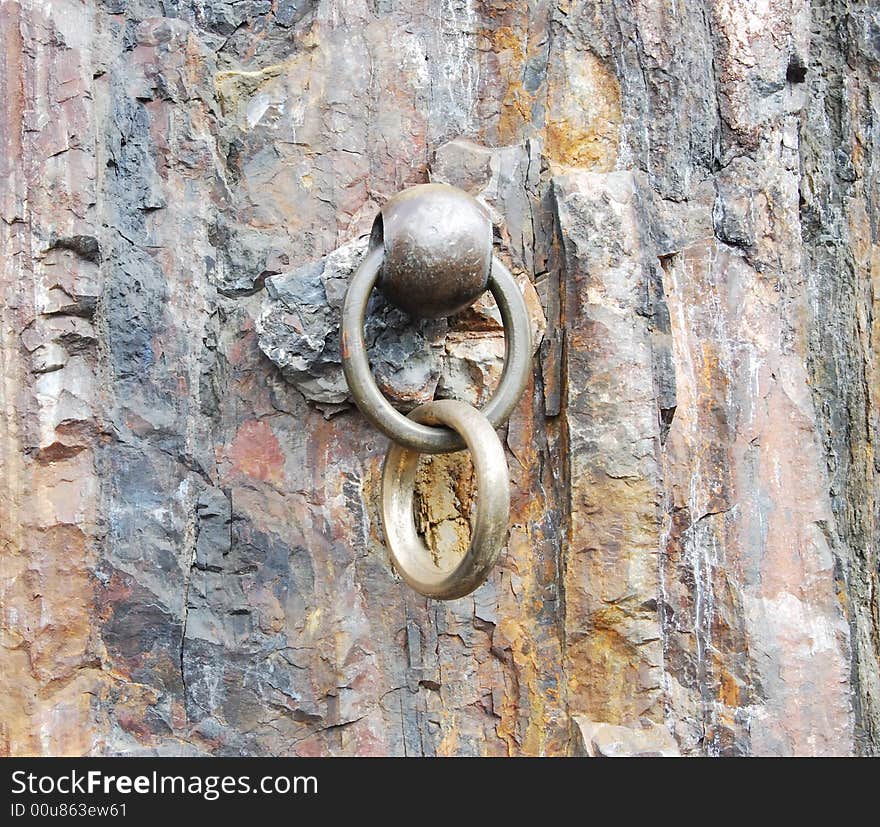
pixel 192 561
pixel 300 332
pixel 609 741
pixel 413 361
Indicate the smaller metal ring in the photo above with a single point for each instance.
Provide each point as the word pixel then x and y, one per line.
pixel 376 408
pixel 407 549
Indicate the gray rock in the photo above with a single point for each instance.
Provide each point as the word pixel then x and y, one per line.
pixel 299 331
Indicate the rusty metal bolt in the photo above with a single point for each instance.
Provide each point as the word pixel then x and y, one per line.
pixel 437 243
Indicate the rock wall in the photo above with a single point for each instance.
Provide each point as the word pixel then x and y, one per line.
pixel 191 559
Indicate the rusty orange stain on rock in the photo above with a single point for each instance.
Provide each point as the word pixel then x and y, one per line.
pixel 584 116
pixel 728 689
pixel 256 452
pixel 516 104
pixel 444 493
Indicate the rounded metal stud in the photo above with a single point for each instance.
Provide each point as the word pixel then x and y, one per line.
pixel 375 407
pixel 411 557
pixel 438 250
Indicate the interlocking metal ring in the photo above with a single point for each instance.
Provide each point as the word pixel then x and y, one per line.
pixel 432 245
pixel 408 431
pixel 408 551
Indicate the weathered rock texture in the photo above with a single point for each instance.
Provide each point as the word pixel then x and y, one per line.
pixel 191 556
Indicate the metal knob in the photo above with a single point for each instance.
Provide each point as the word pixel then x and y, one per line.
pixel 437 243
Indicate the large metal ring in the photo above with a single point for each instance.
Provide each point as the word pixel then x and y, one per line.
pixel 408 551
pixel 376 408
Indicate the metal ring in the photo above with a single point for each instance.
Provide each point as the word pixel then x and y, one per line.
pixel 408 551
pixel 376 408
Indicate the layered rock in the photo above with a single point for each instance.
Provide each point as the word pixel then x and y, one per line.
pixel 192 561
